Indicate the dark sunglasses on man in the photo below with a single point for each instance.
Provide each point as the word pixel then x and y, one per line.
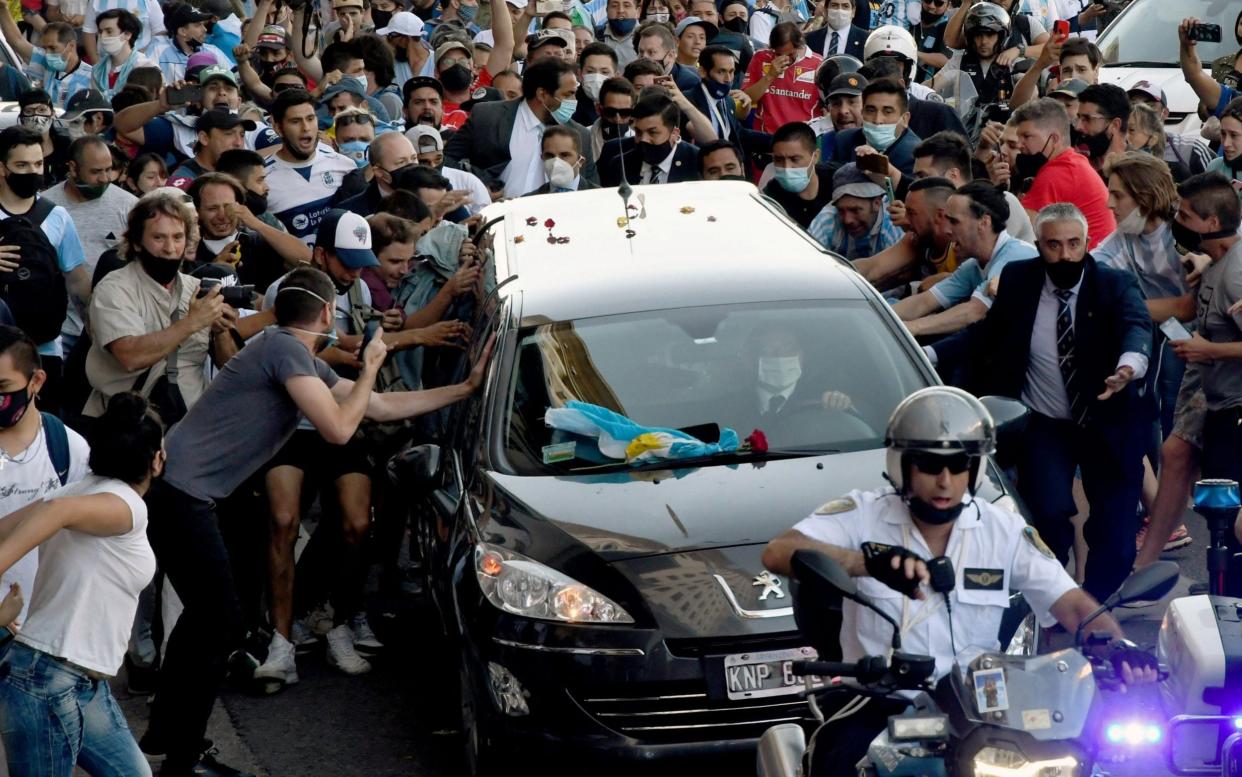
pixel 934 463
pixel 617 115
pixel 353 118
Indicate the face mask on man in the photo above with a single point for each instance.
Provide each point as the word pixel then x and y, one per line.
pixel 162 271
pixel 357 151
pixel 654 153
pixel 1133 224
pixel 717 90
pixel 929 18
pixel 112 45
pixel 380 18
pixel 467 12
pixel 1028 165
pixel 91 191
pixel 779 372
pixel 1064 274
pixel 56 63
pixel 838 19
pixel 564 113
pixel 37 123
pixel 880 136
pixel 1191 239
pixel 622 27
pixel 659 16
pixel 591 83
pixel 793 179
pixel 560 174
pixel 737 24
pixel 24 185
pixel 612 131
pixel 456 78
pixel 13 406
pixel 1096 145
pixel 361 81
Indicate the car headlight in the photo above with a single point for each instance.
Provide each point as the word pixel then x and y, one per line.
pixel 1003 762
pixel 522 586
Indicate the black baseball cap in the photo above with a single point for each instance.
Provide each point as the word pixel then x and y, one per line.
pixel 181 15
pixel 420 82
pixel 219 118
pixel 850 84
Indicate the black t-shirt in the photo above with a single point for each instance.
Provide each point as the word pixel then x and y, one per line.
pixel 800 210
pixel 930 40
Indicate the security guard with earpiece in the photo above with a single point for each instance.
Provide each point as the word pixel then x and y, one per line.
pixel 937 439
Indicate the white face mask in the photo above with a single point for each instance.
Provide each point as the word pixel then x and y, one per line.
pixel 1133 224
pixel 591 83
pixel 560 174
pixel 112 45
pixel 838 19
pixel 779 372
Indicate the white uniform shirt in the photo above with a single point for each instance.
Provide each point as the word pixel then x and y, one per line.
pixel 993 552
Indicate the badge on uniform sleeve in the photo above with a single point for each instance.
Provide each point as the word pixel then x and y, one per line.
pixel 1032 536
pixel 983 579
pixel 842 505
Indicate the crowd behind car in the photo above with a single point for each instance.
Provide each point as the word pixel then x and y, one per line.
pixel 208 206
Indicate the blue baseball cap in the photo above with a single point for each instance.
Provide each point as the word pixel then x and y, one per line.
pixel 347 235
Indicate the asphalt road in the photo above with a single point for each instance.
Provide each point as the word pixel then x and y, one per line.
pixel 401 718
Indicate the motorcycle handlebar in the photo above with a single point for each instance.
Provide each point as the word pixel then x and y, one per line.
pixel 824 669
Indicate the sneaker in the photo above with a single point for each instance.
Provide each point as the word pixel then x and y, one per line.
pixel 320 619
pixel 1179 539
pixel 365 640
pixel 208 766
pixel 341 653
pixel 280 668
pixel 242 664
pixel 302 637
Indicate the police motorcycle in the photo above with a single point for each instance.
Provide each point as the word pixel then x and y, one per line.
pixel 1201 640
pixel 998 715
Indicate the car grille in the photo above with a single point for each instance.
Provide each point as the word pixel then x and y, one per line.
pixel 693 717
pixel 717 646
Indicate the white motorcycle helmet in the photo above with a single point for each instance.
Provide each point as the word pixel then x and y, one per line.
pixel 938 419
pixel 892 41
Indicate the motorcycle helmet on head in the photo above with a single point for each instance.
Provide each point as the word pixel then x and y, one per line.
pixel 892 41
pixel 987 17
pixel 938 420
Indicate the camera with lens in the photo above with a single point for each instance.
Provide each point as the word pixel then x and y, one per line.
pixel 236 296
pixel 997 112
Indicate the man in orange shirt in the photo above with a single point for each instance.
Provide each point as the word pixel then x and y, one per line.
pixel 781 80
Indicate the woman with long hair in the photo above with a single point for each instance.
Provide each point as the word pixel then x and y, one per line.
pixel 56 709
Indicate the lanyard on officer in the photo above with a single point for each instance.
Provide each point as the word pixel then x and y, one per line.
pixel 908 623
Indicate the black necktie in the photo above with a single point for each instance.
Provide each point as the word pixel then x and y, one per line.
pixel 775 404
pixel 653 174
pixel 1065 352
pixel 832 44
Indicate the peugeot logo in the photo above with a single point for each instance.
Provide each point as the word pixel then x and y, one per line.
pixel 771 584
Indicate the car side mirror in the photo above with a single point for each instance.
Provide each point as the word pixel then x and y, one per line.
pixel 417 464
pixel 1010 417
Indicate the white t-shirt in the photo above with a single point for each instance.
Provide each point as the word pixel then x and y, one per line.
pixel 26 476
pixel 86 592
pixel 301 192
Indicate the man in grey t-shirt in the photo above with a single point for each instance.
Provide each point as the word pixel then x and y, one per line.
pixel 243 418
pixel 99 210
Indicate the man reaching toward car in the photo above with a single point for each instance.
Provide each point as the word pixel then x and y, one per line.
pixel 938 440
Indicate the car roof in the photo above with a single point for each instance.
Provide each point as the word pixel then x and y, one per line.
pixel 692 244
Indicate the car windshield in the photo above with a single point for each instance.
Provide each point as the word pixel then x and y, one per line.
pixel 812 376
pixel 1147 31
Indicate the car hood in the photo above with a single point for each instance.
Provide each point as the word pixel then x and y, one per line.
pixel 630 514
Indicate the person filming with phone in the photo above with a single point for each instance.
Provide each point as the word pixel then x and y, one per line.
pixel 938 439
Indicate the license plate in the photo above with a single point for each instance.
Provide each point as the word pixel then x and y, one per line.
pixel 765 673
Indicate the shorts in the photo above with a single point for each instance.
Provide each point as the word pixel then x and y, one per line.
pixel 1191 410
pixel 309 452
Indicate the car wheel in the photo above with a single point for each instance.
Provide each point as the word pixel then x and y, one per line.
pixel 483 757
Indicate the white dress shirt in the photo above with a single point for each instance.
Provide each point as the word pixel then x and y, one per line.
pixel 765 397
pixel 843 38
pixel 665 166
pixel 1045 385
pixel 524 173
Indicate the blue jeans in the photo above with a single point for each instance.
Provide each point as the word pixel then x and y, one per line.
pixel 53 717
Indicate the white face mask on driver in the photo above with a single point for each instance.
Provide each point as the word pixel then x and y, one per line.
pixel 779 372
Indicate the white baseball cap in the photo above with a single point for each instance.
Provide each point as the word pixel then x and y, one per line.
pixel 485 38
pixel 425 139
pixel 403 23
pixel 347 235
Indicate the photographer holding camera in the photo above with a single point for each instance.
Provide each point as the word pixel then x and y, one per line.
pixel 232 235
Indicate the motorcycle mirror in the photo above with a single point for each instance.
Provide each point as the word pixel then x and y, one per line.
pixel 822 583
pixel 1008 414
pixel 1149 583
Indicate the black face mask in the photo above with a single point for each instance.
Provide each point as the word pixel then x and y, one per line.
pixel 24 184
pixel 341 288
pixel 736 24
pixel 1096 145
pixel 654 153
pixel 401 54
pixel 380 18
pixel 257 203
pixel 1064 274
pixel 162 271
pixel 456 78
pixel 1190 239
pixel 929 18
pixel 193 44
pixel 402 177
pixel 1028 165
pixel 1077 138
pixel 612 131
pixel 932 515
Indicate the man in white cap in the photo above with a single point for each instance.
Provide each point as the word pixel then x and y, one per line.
pixel 429 149
pixel 404 33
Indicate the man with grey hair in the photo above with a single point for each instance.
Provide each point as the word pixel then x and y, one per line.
pixel 391 153
pixel 1069 336
pixel 1055 172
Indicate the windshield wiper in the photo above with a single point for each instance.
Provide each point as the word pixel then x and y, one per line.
pixel 724 457
pixel 1142 63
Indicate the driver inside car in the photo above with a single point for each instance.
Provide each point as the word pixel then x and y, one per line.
pixel 782 386
pixel 937 441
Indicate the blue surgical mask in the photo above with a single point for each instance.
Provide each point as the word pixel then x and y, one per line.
pixel 879 136
pixel 793 179
pixel 564 112
pixel 361 81
pixel 356 150
pixel 56 63
pixel 717 90
pixel 467 12
pixel 622 27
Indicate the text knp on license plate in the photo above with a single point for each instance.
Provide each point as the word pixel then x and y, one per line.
pixel 765 673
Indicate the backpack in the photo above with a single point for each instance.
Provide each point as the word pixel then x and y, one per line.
pixel 35 291
pixel 57 445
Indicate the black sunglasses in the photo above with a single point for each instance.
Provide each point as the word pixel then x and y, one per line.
pixel 353 118
pixel 936 3
pixel 618 113
pixel 935 463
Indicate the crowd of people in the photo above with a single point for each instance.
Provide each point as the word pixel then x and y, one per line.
pixel 204 205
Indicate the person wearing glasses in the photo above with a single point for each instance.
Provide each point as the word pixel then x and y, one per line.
pixel 937 439
pixel 616 113
pixel 218 131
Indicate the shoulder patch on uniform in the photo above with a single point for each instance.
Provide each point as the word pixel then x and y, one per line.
pixel 1032 536
pixel 842 505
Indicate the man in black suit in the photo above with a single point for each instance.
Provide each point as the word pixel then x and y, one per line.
pixel 655 153
pixel 485 143
pixel 561 151
pixel 715 98
pixel 1068 337
pixel 838 35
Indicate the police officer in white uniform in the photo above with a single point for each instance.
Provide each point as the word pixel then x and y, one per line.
pixel 937 439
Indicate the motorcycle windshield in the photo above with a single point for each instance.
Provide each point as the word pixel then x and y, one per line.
pixel 1048 697
pixel 957 89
